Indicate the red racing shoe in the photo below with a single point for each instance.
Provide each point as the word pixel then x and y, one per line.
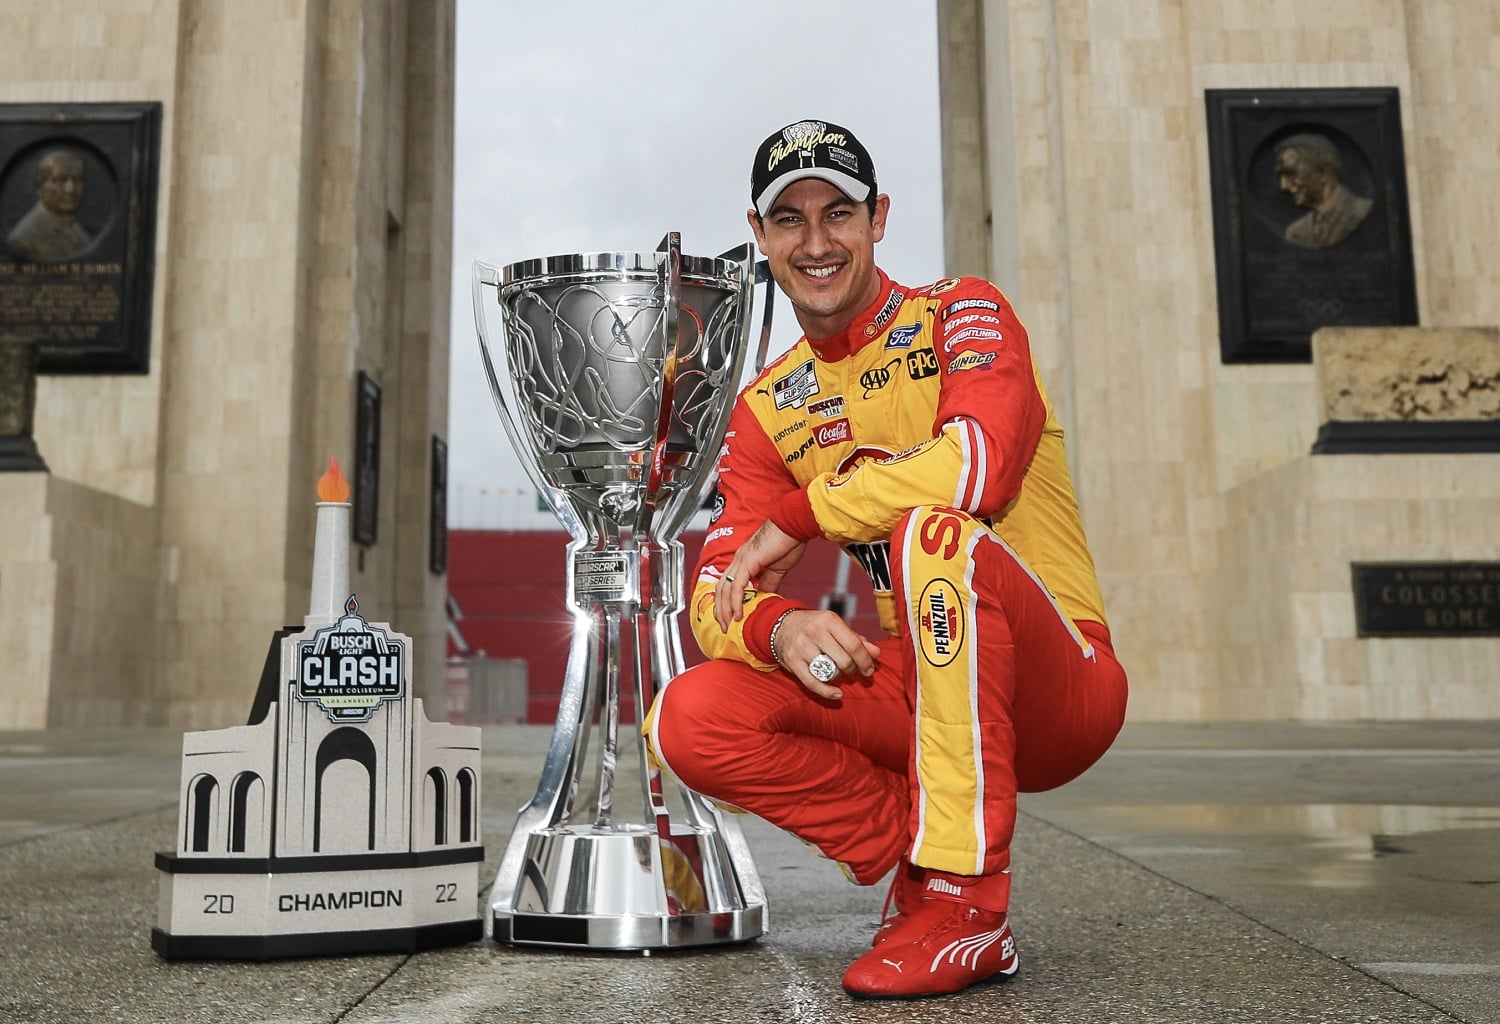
pixel 943 945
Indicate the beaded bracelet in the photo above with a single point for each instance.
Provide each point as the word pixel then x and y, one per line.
pixel 776 628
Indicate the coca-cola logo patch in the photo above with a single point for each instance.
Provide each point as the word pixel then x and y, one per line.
pixel 830 434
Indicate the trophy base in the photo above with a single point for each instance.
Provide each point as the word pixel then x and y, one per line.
pixel 624 888
pixel 629 933
pixel 265 908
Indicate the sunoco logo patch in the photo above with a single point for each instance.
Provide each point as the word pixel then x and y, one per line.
pixel 940 623
pixel 348 668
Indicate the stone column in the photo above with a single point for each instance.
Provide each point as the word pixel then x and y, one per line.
pixel 18 451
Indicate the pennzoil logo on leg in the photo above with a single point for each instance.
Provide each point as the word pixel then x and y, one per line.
pixel 940 623
pixel 348 668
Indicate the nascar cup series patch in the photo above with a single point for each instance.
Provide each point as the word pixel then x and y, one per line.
pixel 796 387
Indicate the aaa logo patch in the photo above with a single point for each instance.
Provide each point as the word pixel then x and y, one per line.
pixel 940 623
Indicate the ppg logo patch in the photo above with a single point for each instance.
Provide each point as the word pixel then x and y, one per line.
pixel 793 390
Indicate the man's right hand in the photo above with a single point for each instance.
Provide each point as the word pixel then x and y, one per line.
pixel 805 633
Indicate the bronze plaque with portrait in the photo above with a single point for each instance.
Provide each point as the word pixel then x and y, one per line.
pixel 78 232
pixel 1311 227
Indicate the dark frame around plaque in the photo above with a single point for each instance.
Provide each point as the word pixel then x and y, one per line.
pixel 78 189
pixel 1426 599
pixel 1283 272
pixel 437 509
pixel 366 459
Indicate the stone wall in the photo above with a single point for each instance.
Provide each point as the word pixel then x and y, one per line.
pixel 1096 197
pixel 1408 373
pixel 303 217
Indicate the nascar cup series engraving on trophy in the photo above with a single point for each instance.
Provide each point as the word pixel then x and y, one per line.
pixel 614 377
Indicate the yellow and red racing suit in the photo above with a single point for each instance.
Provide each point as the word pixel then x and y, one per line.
pixel 921 439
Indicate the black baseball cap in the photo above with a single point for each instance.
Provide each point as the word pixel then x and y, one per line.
pixel 810 149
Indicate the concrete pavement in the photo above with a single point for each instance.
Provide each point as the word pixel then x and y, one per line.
pixel 1257 873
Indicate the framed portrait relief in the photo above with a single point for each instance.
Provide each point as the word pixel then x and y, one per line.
pixel 78 232
pixel 1311 225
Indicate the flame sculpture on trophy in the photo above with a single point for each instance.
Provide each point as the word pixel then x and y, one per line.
pixel 614 382
pixel 340 820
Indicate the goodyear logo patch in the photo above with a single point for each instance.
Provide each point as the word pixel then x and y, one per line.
pixel 940 623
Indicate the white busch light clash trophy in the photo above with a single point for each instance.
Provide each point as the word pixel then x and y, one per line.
pixel 339 820
pixel 615 382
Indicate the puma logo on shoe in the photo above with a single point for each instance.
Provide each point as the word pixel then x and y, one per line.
pixel 894 963
pixel 944 886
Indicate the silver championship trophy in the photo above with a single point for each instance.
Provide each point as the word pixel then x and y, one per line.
pixel 615 382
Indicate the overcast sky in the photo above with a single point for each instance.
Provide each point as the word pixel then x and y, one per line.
pixel 591 125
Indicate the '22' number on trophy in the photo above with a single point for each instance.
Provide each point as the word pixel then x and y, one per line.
pixel 218 903
pixel 447 892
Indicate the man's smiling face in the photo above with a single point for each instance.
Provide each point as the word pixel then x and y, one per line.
pixel 821 247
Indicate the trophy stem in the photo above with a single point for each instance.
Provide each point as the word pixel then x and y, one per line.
pixel 581 870
pixel 609 718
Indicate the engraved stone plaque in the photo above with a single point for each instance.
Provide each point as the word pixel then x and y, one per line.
pixel 1427 599
pixel 77 232
pixel 1310 217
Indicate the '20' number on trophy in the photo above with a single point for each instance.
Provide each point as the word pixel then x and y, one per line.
pixel 218 903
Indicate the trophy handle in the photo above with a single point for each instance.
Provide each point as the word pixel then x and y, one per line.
pixel 670 251
pixel 684 503
pixel 488 275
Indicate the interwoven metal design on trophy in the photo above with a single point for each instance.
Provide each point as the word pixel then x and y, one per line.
pixel 614 382
pixel 588 362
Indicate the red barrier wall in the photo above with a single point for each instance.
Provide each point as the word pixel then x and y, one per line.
pixel 509 589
